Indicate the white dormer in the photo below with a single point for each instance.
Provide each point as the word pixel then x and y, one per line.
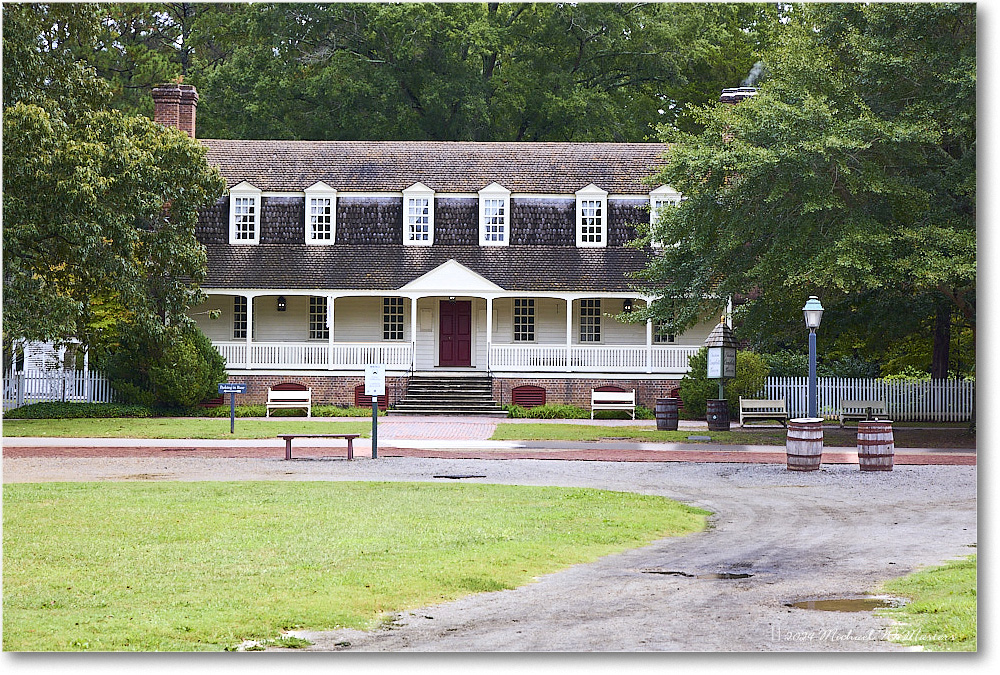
pixel 661 198
pixel 244 214
pixel 321 214
pixel 418 215
pixel 592 217
pixel 494 215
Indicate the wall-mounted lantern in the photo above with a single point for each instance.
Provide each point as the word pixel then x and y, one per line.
pixel 282 305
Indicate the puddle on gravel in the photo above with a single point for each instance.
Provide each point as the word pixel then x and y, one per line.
pixel 858 604
pixel 460 476
pixel 712 575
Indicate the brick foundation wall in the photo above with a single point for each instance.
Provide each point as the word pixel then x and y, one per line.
pixel 326 390
pixel 577 391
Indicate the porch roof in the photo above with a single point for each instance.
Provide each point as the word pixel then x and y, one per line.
pixel 340 266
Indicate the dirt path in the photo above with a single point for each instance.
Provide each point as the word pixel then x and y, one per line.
pixel 829 533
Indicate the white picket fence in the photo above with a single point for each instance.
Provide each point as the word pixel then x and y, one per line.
pixel 905 400
pixel 37 386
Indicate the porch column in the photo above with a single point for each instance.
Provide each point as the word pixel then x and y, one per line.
pixel 413 334
pixel 250 300
pixel 330 299
pixel 649 345
pixel 489 330
pixel 569 334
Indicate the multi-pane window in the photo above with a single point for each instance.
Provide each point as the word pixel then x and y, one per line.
pixel 245 218
pixel 590 320
pixel 591 217
pixel 494 221
pixel 494 215
pixel 318 327
pixel 392 318
pixel 661 335
pixel 418 219
pixel 524 320
pixel 244 214
pixel 321 218
pixel 239 317
pixel 660 199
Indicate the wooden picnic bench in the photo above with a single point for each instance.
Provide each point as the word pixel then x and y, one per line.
pixel 285 399
pixel 861 410
pixel 763 409
pixel 612 400
pixel 350 441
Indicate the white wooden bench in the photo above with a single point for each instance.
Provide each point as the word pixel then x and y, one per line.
pixel 861 410
pixel 612 400
pixel 763 409
pixel 289 400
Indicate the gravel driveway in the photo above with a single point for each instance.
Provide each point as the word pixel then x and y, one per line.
pixel 827 534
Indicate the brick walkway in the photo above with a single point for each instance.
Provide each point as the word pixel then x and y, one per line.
pixel 444 428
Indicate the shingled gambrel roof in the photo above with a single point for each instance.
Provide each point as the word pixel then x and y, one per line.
pixel 447 167
pixel 340 266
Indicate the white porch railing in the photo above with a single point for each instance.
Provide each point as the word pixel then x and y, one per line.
pixel 617 358
pixel 315 355
pixel 905 400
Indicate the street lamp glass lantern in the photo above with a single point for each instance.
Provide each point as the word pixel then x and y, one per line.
pixel 813 312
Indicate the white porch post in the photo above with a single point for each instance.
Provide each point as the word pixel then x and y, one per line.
pixel 489 330
pixel 250 299
pixel 569 334
pixel 649 345
pixel 413 333
pixel 330 299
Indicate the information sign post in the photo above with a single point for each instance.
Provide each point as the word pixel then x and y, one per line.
pixel 375 387
pixel 232 388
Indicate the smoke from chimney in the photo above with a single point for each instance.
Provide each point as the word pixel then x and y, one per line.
pixel 755 73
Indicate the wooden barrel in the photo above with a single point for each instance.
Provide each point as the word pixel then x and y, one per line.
pixel 718 414
pixel 666 414
pixel 804 443
pixel 875 445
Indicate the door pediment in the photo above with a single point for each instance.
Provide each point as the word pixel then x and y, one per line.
pixel 451 278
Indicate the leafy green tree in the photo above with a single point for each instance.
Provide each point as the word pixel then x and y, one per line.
pixel 99 206
pixel 851 175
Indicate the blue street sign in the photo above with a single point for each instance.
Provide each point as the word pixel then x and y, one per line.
pixel 232 388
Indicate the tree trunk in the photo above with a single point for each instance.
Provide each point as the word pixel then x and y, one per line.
pixel 942 342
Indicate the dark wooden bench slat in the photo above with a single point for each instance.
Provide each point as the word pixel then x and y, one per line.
pixel 349 437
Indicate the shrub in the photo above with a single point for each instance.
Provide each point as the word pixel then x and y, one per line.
pixel 259 410
pixel 65 411
pixel 554 411
pixel 696 388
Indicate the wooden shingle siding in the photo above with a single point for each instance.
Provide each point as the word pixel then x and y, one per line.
pixel 282 220
pixel 370 221
pixel 543 222
pixel 623 217
pixel 456 222
pixel 213 223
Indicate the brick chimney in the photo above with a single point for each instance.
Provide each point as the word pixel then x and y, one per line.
pixel 174 105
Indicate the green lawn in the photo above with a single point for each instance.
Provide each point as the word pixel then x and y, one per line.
pixel 542 431
pixel 179 427
pixel 941 614
pixel 203 566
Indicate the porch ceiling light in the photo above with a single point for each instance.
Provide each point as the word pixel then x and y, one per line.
pixel 282 305
pixel 627 305
pixel 813 313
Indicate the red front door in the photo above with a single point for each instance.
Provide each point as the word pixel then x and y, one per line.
pixel 455 333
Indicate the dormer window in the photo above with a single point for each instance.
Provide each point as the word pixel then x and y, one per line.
pixel 321 214
pixel 591 217
pixel 418 215
pixel 661 198
pixel 494 215
pixel 244 214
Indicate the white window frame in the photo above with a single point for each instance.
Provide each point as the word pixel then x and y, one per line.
pixel 596 198
pixel 659 198
pixel 319 318
pixel 418 191
pixel 240 326
pixel 591 321
pixel 523 320
pixel 494 192
pixel 393 319
pixel 237 196
pixel 315 192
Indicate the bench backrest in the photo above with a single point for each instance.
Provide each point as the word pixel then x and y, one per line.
pixel 861 405
pixel 768 403
pixel 274 396
pixel 612 397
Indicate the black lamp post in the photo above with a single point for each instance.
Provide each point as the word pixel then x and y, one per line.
pixel 813 313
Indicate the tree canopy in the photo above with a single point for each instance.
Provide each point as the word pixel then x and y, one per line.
pixel 850 175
